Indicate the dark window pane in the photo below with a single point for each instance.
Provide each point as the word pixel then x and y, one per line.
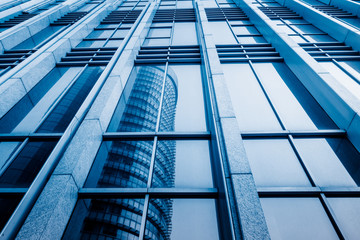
pixel 297 218
pixel 175 219
pixel 105 219
pixel 122 164
pixel 333 161
pixel 66 109
pixel 8 206
pixel 182 164
pixel 137 110
pixel 9 121
pixel 24 168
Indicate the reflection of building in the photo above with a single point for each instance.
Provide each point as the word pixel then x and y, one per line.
pixel 128 162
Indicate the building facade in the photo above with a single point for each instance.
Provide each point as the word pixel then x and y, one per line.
pixel 179 119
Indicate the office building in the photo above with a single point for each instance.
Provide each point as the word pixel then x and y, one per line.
pixel 177 119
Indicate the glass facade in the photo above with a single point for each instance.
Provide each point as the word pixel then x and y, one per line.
pixel 178 119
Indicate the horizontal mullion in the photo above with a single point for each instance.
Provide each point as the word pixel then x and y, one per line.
pixel 318 133
pixel 161 135
pixel 12 192
pixel 153 192
pixel 253 59
pixel 308 191
pixel 18 136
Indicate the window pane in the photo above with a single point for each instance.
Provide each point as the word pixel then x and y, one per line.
pixel 274 164
pixel 93 44
pixel 222 33
pixel 105 219
pixel 65 110
pixel 175 219
pixel 184 34
pixel 296 107
pixel 157 42
pixel 182 164
pixel 347 212
pixel 122 164
pixel 8 206
pixel 297 218
pixel 138 107
pixel 325 159
pixel 24 168
pixel 183 99
pixel 100 34
pixel 7 149
pixel 28 112
pixel 159 32
pixel 251 107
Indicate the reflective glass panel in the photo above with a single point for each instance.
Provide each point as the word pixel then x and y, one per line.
pixel 175 219
pixel 105 219
pixel 7 149
pixel 138 107
pixel 347 212
pixel 222 33
pixel 296 107
pixel 182 164
pixel 332 162
pixel 297 218
pixel 24 116
pixel 66 108
pixel 23 169
pixel 183 104
pixel 274 164
pixel 184 34
pixel 253 111
pixel 121 164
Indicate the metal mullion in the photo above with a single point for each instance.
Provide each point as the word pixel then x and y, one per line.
pixel 61 96
pixel 111 136
pixel 121 23
pixel 307 172
pixel 285 133
pixel 13 156
pixel 331 214
pixel 281 122
pixel 12 192
pixel 283 21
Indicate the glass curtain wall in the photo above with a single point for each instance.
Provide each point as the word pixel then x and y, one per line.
pixel 153 176
pixel 335 12
pixel 25 15
pixel 32 128
pixel 305 169
pixel 12 57
pixel 336 57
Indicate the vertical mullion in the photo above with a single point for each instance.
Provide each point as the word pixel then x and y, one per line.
pixel 144 216
pixel 307 172
pixel 331 215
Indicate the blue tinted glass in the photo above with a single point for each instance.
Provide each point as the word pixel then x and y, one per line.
pixel 177 219
pixel 121 164
pixel 9 121
pixel 24 168
pixel 66 109
pixel 39 37
pixel 8 206
pixel 138 106
pixel 105 219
